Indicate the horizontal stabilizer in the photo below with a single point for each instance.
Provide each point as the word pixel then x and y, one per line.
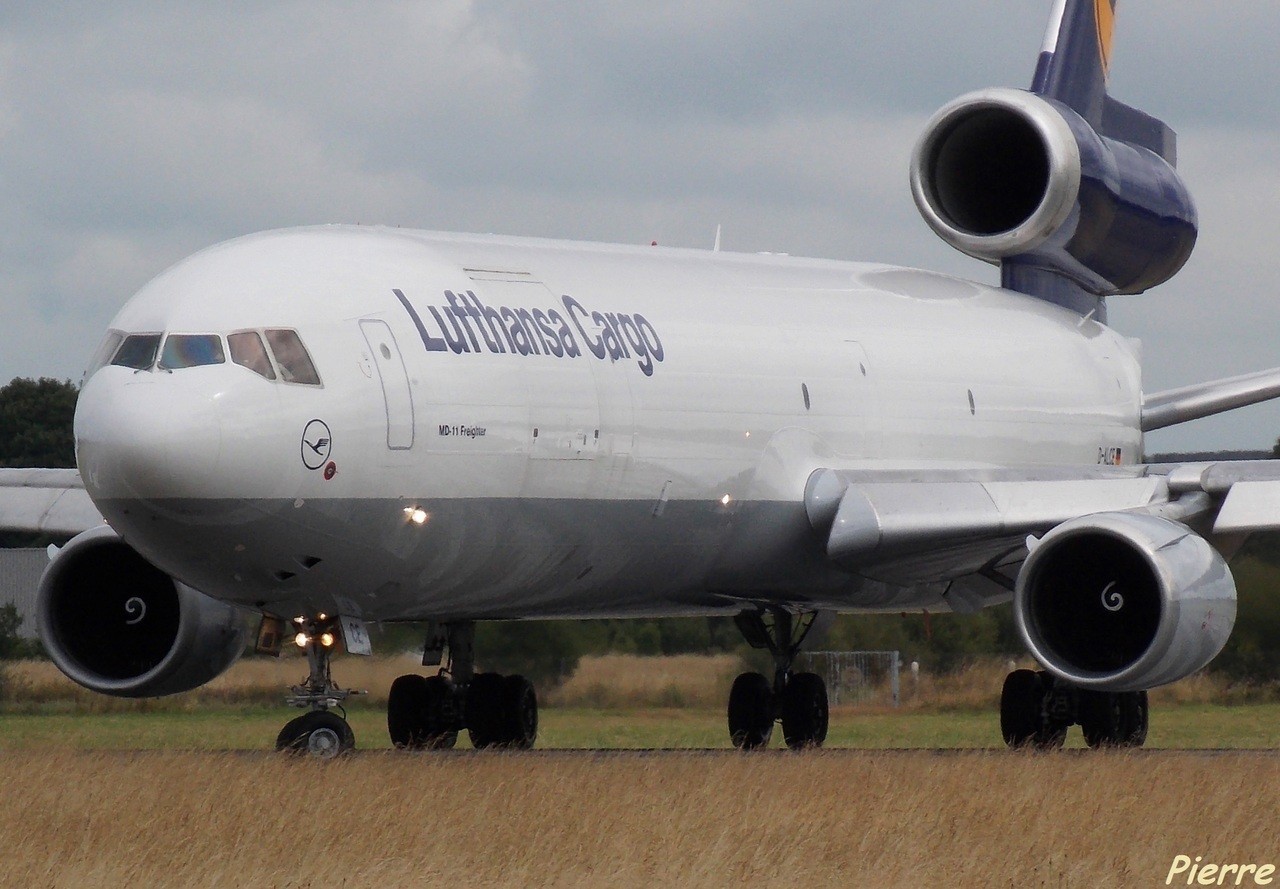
pixel 1175 406
pixel 1127 124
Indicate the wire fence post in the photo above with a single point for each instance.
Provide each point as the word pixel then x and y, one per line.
pixel 897 662
pixel 856 677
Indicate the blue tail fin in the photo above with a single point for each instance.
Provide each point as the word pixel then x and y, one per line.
pixel 1076 59
pixel 1073 68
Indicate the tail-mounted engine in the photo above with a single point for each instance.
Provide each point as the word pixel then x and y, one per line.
pixel 1012 177
pixel 1124 602
pixel 118 625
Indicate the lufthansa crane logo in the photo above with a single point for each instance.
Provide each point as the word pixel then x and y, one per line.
pixel 1105 17
pixel 317 442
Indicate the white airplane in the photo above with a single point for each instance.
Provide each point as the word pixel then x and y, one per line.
pixel 336 425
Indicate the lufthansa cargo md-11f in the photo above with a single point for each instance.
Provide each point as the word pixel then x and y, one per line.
pixel 336 425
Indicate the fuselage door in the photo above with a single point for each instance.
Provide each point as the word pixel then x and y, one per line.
pixel 396 395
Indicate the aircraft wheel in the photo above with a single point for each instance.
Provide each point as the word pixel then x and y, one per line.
pixel 484 710
pixel 319 733
pixel 520 712
pixel 1051 733
pixel 1100 718
pixel 407 711
pixel 1114 719
pixel 1020 702
pixel 1135 715
pixel 804 711
pixel 441 714
pixel 750 711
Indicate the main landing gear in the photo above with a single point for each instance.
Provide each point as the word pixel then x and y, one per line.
pixel 1036 710
pixel 319 732
pixel 428 712
pixel 799 700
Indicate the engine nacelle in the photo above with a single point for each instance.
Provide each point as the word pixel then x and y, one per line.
pixel 118 625
pixel 1124 602
pixel 1004 174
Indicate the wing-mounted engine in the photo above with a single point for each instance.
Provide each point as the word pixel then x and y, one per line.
pixel 1124 602
pixel 1018 179
pixel 118 625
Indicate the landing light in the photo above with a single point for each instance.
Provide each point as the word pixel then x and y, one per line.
pixel 326 639
pixel 416 514
pixel 726 500
pixel 300 640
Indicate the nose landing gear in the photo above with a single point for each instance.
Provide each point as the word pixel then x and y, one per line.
pixel 319 732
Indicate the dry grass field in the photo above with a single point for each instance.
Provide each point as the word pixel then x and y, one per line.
pixel 630 820
pixel 96 794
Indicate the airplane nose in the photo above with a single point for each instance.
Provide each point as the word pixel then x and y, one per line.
pixel 140 436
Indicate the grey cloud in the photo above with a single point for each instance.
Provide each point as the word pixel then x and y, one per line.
pixel 134 133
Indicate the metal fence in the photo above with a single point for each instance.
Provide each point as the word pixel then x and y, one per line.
pixel 20 571
pixel 855 677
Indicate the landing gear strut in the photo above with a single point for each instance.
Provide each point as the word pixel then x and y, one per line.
pixel 1036 710
pixel 319 732
pixel 798 699
pixel 428 712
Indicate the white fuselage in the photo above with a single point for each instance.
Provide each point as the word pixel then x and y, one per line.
pixel 648 455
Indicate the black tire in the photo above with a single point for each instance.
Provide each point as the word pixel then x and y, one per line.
pixel 520 713
pixel 1100 719
pixel 442 714
pixel 1052 733
pixel 804 711
pixel 291 734
pixel 750 711
pixel 319 733
pixel 408 705
pixel 1135 715
pixel 484 710
pixel 1021 703
pixel 1114 719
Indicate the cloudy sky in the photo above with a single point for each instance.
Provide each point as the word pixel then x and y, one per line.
pixel 134 133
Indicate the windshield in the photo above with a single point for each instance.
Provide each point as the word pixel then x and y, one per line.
pixel 191 350
pixel 106 351
pixel 138 351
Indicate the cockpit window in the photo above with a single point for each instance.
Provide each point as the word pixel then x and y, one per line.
pixel 191 350
pixel 247 351
pixel 291 355
pixel 105 352
pixel 138 351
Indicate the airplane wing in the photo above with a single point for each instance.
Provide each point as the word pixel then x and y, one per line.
pixel 1168 408
pixel 49 501
pixel 972 528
